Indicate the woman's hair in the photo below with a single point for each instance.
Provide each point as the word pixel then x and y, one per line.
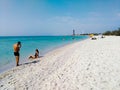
pixel 37 50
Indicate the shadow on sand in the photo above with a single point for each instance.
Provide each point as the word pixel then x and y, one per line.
pixel 32 61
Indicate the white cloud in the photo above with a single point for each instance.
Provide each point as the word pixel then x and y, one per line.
pixel 94 14
pixel 62 24
pixel 59 25
pixel 118 14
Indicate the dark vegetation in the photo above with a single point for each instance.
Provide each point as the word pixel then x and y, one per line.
pixel 114 32
pixel 90 33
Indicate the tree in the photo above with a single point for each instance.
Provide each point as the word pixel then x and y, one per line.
pixel 114 32
pixel 107 33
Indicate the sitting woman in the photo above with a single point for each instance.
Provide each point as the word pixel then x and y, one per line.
pixel 36 55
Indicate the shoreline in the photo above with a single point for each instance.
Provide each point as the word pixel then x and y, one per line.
pixel 85 65
pixel 11 65
pixel 49 52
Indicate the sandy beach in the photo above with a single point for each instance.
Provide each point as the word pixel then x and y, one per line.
pixel 84 65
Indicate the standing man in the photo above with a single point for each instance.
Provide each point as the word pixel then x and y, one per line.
pixel 16 48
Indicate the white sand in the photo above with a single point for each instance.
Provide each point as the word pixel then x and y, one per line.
pixel 85 65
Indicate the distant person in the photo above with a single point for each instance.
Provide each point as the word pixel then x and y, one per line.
pixel 36 55
pixel 102 36
pixel 16 48
pixel 73 38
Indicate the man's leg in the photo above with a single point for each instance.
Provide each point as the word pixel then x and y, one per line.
pixel 17 60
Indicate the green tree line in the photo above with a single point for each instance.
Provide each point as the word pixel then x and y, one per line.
pixel 114 32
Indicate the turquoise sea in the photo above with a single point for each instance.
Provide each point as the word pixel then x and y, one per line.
pixel 29 44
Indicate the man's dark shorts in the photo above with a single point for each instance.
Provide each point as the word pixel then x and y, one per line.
pixel 16 53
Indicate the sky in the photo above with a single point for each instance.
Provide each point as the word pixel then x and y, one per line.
pixel 58 17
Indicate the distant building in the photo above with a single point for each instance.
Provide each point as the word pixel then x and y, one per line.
pixel 73 32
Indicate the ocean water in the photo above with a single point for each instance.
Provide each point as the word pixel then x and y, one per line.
pixel 29 44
